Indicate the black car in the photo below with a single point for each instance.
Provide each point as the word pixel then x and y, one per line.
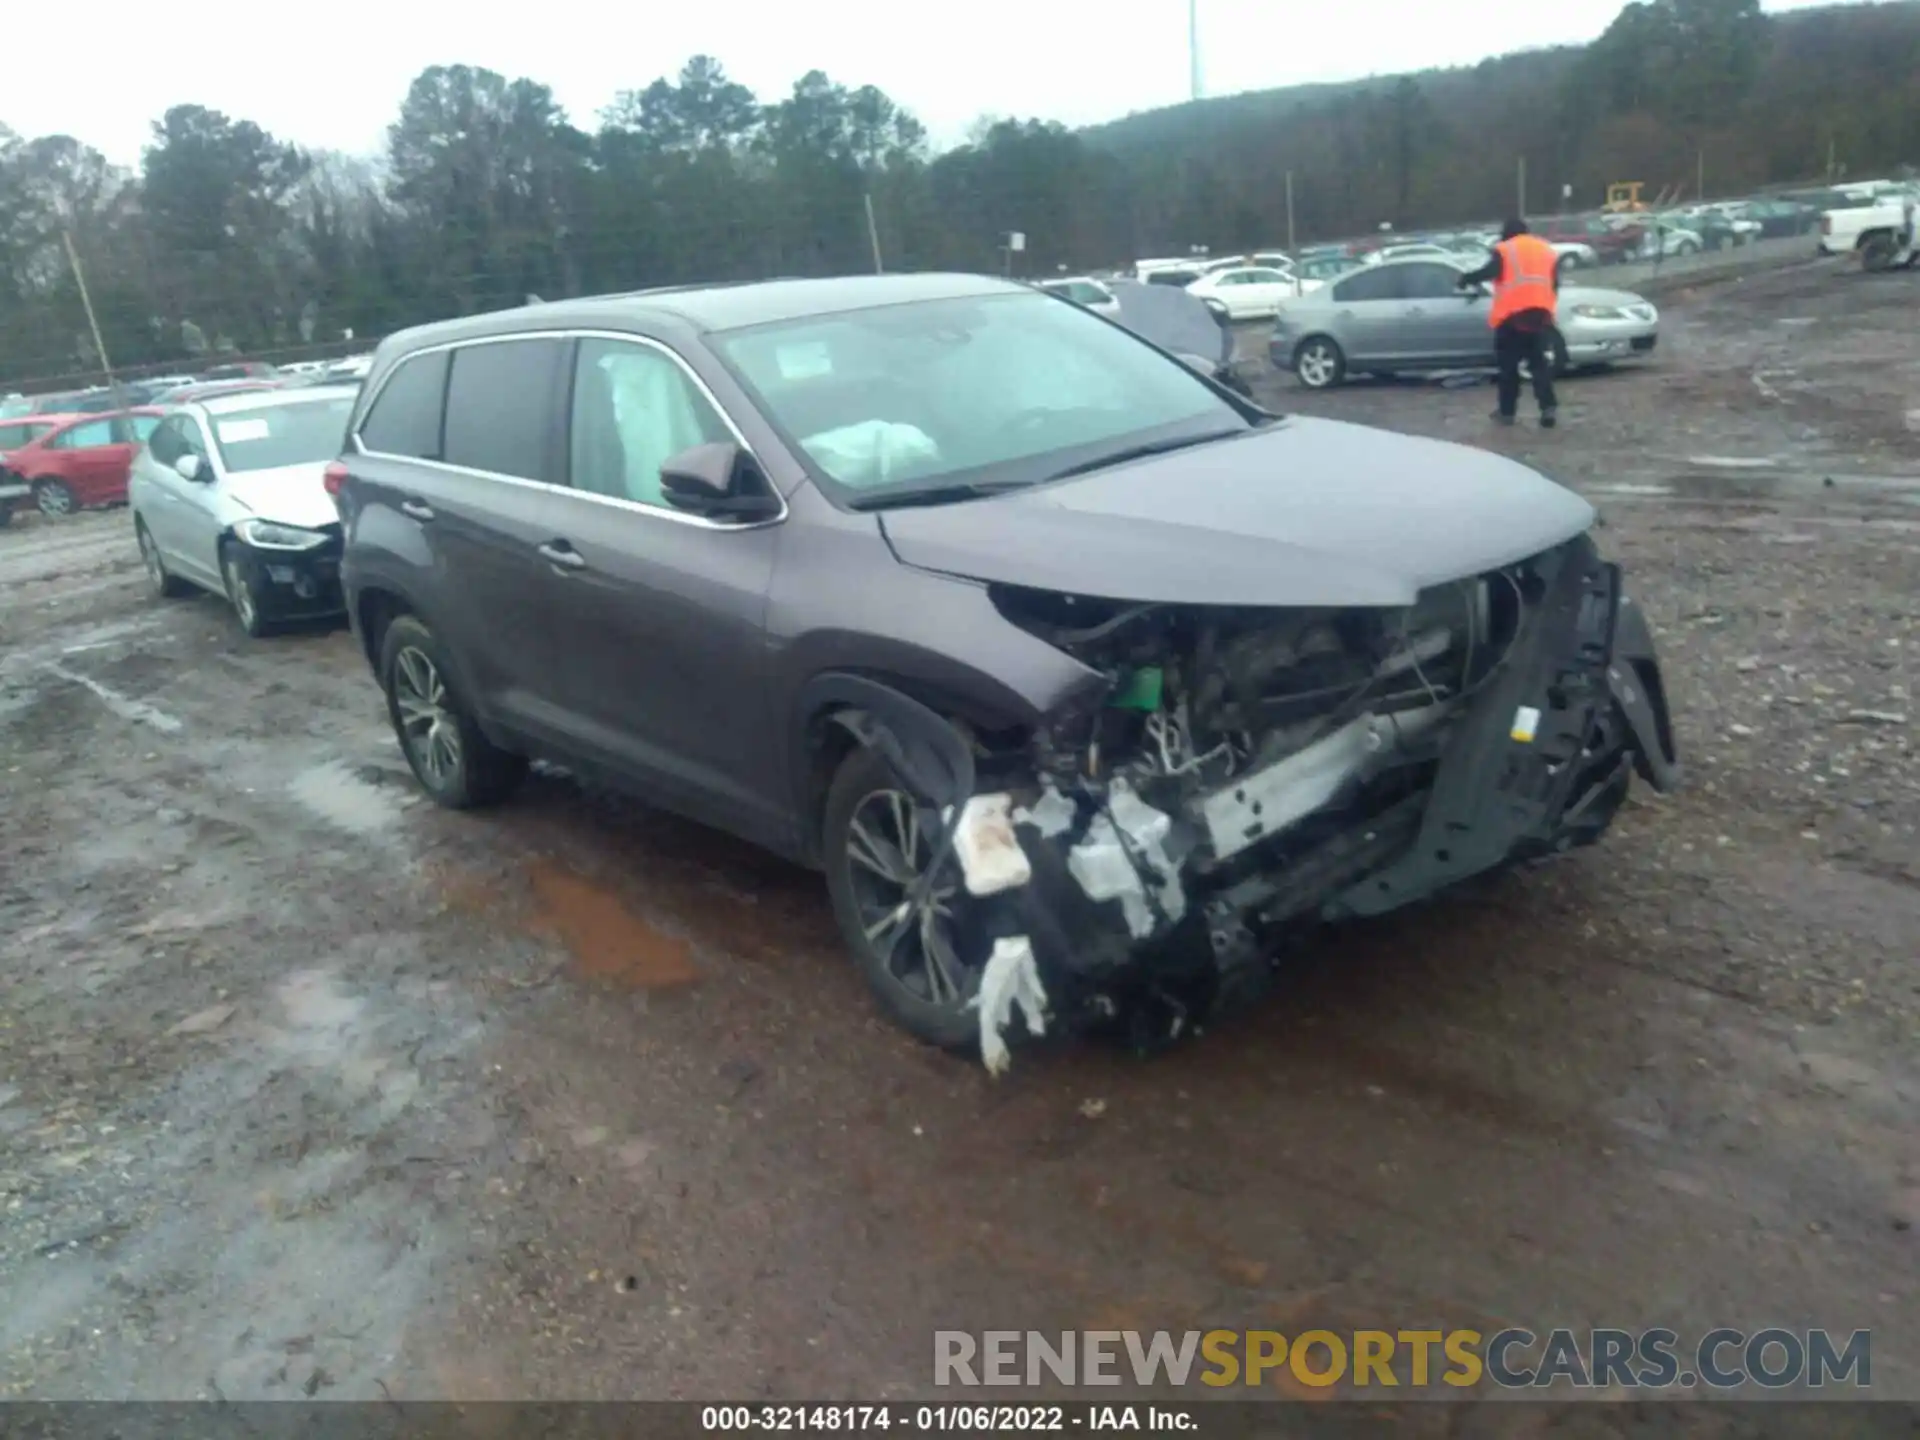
pixel 1082 678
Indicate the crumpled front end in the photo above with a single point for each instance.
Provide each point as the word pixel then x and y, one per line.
pixel 1249 771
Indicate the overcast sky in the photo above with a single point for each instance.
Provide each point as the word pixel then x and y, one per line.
pixel 332 75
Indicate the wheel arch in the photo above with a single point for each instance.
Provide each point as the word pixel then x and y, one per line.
pixel 915 726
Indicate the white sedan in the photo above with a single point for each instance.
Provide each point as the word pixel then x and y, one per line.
pixel 228 496
pixel 1253 292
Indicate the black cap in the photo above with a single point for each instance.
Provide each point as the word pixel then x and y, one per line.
pixel 1513 227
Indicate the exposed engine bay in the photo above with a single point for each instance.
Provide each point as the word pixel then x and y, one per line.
pixel 1248 771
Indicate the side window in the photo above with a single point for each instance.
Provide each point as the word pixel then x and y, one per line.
pixel 405 419
pixel 14 436
pixel 85 437
pixel 143 427
pixel 1373 283
pixel 503 408
pixel 1429 282
pixel 633 408
pixel 165 444
pixel 193 439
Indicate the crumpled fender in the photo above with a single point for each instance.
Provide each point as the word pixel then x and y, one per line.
pixel 1638 689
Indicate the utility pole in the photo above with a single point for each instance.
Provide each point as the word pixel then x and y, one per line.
pixel 1521 191
pixel 1193 45
pixel 93 324
pixel 873 234
pixel 1292 253
pixel 1700 176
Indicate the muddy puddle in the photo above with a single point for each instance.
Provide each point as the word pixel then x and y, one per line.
pixel 1710 478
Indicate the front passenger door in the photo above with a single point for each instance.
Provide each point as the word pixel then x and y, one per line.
pixel 660 614
pixel 1444 323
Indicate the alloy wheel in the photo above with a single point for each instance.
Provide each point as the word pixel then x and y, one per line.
pixel 428 727
pixel 150 557
pixel 240 593
pixel 1316 366
pixel 53 498
pixel 889 847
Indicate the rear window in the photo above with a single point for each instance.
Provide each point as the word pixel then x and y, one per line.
pixel 405 419
pixel 15 435
pixel 503 408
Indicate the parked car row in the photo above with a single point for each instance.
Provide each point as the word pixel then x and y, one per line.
pixel 1080 678
pixel 75 450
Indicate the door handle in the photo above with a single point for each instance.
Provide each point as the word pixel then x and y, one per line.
pixel 559 552
pixel 416 509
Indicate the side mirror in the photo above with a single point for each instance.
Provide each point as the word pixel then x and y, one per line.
pixel 188 467
pixel 721 481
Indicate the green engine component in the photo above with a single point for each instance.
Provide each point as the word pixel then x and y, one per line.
pixel 1141 690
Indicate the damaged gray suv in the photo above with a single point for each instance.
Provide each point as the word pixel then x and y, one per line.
pixel 1081 677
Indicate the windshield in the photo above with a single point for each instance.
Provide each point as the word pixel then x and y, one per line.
pixel 1004 389
pixel 272 436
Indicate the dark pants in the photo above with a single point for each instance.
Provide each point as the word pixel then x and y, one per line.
pixel 1524 338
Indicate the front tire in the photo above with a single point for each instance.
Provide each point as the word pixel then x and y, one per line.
pixel 453 761
pixel 1319 364
pixel 165 584
pixel 245 593
pixel 875 842
pixel 54 498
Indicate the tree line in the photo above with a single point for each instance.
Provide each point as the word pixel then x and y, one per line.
pixel 228 238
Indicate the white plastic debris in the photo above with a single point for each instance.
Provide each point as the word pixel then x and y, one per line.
pixel 1011 980
pixel 990 856
pixel 1104 866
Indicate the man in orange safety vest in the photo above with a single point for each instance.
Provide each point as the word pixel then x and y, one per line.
pixel 1525 274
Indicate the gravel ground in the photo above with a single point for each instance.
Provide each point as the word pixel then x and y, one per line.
pixel 307 1088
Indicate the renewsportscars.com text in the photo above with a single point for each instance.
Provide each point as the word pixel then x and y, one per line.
pixel 1655 1359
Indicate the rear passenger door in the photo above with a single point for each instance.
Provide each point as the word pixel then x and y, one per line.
pixel 459 450
pixel 1367 316
pixel 660 613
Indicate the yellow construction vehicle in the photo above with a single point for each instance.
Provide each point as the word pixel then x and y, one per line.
pixel 1625 195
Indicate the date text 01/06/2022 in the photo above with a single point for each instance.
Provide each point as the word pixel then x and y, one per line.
pixel 944 1418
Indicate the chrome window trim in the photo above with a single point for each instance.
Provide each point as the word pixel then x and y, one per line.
pixel 583 333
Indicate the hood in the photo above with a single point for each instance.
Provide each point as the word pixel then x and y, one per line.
pixel 291 494
pixel 1308 513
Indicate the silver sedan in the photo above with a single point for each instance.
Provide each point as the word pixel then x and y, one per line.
pixel 228 495
pixel 1410 316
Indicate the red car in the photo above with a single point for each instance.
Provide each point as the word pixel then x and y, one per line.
pixel 81 460
pixel 14 433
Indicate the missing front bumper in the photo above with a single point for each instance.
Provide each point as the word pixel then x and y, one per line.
pixel 1535 759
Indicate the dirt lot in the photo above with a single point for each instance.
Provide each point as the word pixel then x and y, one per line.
pixel 307 1088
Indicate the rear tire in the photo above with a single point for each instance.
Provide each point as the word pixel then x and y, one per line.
pixel 1876 253
pixel 54 498
pixel 167 586
pixel 860 809
pixel 1319 363
pixel 453 761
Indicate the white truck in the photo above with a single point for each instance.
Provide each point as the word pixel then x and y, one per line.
pixel 1880 230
